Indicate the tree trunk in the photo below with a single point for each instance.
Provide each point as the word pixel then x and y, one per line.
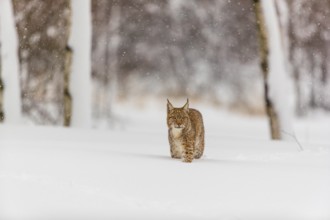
pixel 312 100
pixel 264 52
pixel 2 115
pixel 80 80
pixel 1 91
pixel 11 100
pixel 67 95
pixel 43 31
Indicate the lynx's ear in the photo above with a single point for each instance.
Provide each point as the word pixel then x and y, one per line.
pixel 169 106
pixel 186 106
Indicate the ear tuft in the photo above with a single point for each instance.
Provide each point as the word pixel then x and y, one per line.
pixel 169 106
pixel 186 106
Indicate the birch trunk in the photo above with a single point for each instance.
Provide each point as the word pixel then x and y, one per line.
pixel 10 88
pixel 264 53
pixel 67 95
pixel 1 87
pixel 80 82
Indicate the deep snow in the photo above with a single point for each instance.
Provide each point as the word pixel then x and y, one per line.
pixel 60 173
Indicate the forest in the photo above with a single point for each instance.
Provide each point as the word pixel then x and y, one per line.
pixel 146 49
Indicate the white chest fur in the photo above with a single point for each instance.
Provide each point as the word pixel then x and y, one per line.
pixel 176 132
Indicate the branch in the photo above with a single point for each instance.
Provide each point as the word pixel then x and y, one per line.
pixel 295 138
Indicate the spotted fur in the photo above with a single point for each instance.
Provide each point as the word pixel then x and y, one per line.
pixel 185 132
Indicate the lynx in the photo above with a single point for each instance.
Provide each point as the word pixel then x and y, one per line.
pixel 185 132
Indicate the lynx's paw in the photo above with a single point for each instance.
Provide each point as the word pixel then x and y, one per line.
pixel 198 155
pixel 187 160
pixel 175 157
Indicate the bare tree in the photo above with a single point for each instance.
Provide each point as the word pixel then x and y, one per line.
pixel 80 82
pixel 11 101
pixel 1 89
pixel 67 95
pixel 264 53
pixel 43 31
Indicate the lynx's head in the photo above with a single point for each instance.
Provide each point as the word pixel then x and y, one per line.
pixel 178 118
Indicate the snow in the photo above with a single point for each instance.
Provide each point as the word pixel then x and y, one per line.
pixel 62 173
pixel 10 64
pixel 80 81
pixel 280 88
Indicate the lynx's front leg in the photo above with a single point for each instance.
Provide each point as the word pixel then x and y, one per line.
pixel 174 152
pixel 188 152
pixel 173 148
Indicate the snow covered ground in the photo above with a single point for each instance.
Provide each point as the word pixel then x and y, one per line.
pixel 126 173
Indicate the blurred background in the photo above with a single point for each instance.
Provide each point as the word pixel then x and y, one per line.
pixel 144 51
